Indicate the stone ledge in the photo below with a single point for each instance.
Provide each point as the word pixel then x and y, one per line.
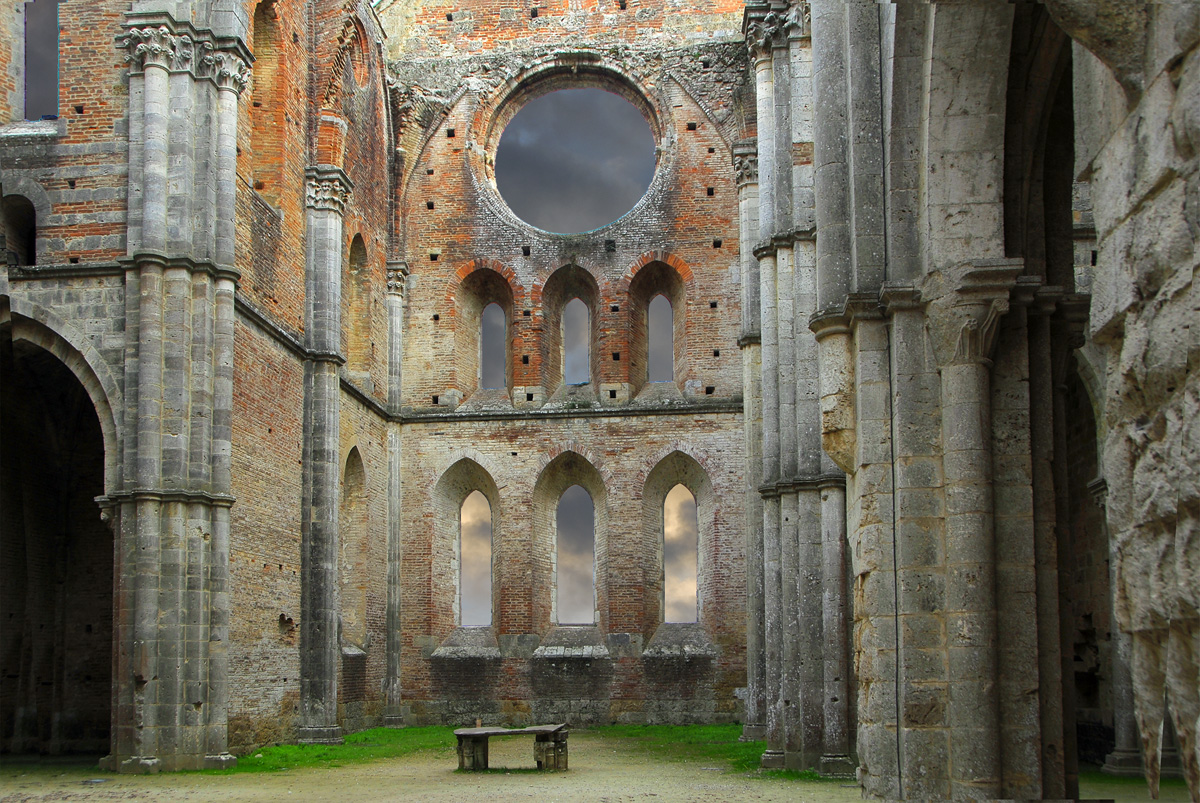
pixel 674 640
pixel 468 643
pixel 567 642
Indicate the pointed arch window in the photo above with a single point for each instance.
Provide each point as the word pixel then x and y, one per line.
pixel 41 59
pixel 475 561
pixel 575 558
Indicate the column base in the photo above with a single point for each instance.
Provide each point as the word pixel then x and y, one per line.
pixel 134 765
pixel 321 735
pixel 837 767
pixel 753 733
pixel 1122 762
pixel 222 761
pixel 772 760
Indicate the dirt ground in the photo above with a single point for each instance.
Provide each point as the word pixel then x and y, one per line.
pixel 602 770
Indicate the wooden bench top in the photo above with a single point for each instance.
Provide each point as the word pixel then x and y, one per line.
pixel 537 730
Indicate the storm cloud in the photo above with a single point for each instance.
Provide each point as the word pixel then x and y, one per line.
pixel 476 523
pixel 576 552
pixel 575 160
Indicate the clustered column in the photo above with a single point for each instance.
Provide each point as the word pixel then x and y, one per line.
pixel 328 190
pixel 803 519
pixel 171 515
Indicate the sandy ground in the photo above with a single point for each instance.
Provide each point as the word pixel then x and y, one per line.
pixel 605 770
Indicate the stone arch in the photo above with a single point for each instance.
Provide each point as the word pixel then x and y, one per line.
pixel 478 284
pixel 46 330
pixel 20 230
pixel 57 575
pixel 963 136
pixel 36 196
pixel 566 469
pixel 455 484
pixel 563 285
pixel 675 468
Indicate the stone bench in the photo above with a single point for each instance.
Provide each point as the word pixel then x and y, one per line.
pixel 549 745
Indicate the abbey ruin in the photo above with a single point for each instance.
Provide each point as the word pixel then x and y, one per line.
pixel 934 388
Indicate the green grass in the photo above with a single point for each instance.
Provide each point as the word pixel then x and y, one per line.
pixel 713 744
pixel 360 747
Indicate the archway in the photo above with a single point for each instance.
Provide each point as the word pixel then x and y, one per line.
pixel 56 559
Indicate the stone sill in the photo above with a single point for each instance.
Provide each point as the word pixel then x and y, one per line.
pixel 468 644
pixel 676 640
pixel 32 131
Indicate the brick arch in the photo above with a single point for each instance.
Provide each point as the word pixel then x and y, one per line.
pixel 667 258
pixel 564 284
pixel 652 274
pixel 465 269
pixel 582 450
pixel 473 286
pixel 38 326
pixel 457 456
pixel 685 448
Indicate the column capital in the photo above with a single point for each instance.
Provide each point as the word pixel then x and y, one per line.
pixel 397 273
pixel 228 69
pixel 159 46
pixel 327 188
pixel 745 162
pixel 967 323
pixel 766 28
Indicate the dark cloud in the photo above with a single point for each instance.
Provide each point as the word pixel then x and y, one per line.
pixel 660 330
pixel 575 160
pixel 576 553
pixel 492 347
pixel 41 59
pixel 576 333
pixel 680 529
pixel 476 557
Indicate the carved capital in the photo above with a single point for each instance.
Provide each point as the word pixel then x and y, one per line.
pixel 327 189
pixel 745 167
pixel 229 70
pixel 965 322
pixel 159 46
pixel 397 273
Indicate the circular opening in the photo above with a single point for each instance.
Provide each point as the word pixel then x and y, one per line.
pixel 574 160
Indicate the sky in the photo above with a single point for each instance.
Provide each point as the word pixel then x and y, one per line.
pixel 41 59
pixel 574 160
pixel 476 558
pixel 576 547
pixel 680 527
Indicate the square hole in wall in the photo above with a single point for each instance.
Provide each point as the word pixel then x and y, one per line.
pixel 71 184
pixel 79 109
pixel 435 399
pixel 691 126
pixel 712 305
pixel 524 359
pixel 433 257
pixel 612 394
pixel 525 250
pixel 449 133
pixel 449 18
pixel 716 352
pixel 716 243
pixel 527 313
pixel 429 171
pixel 533 12
pixel 621 4
pixel 712 150
pixel 705 63
pixel 616 356
pixel 437 317
pixel 614 308
pixel 610 246
pixel 710 191
pixel 528 397
pixel 429 204
pixel 709 390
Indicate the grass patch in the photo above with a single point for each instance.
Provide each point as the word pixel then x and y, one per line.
pixel 368 745
pixel 713 744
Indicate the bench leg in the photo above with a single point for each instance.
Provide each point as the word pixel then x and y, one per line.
pixel 472 753
pixel 550 752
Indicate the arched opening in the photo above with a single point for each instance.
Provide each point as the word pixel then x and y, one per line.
pixel 353 529
pixel 56 559
pixel 41 59
pixel 356 294
pixel 475 555
pixel 266 117
pixel 660 333
pixel 657 327
pixel 20 231
pixel 576 343
pixel 483 294
pixel 680 541
pixel 574 555
pixel 493 347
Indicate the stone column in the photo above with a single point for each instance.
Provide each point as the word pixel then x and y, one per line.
pixel 745 161
pixel 328 189
pixel 397 275
pixel 835 758
pixel 970 325
pixel 1125 758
